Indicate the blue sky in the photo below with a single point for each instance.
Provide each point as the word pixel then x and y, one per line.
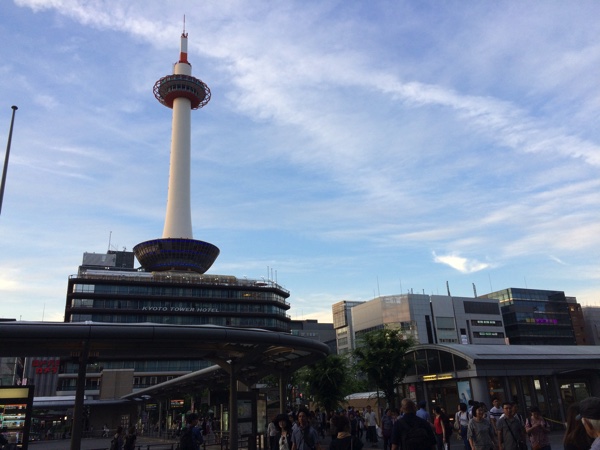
pixel 352 148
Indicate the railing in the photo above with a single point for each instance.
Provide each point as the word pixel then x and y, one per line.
pixel 223 280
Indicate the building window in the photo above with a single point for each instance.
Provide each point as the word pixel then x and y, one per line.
pixel 488 334
pixel 481 308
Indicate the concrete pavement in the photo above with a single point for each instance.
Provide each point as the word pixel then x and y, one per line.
pixel 149 443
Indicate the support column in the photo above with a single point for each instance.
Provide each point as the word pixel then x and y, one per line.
pixel 233 411
pixel 77 426
pixel 559 399
pixel 282 392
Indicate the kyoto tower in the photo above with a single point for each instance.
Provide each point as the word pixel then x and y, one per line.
pixel 178 250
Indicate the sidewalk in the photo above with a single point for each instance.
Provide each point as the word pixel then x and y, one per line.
pixel 142 443
pixel 148 443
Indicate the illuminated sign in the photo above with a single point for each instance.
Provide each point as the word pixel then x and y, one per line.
pixel 493 323
pixel 45 366
pixel 176 404
pixel 178 309
pixel 543 321
pixel 441 376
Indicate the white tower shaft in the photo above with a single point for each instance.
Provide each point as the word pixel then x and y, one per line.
pixel 178 221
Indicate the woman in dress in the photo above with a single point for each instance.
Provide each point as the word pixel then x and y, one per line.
pixel 480 431
pixel 440 425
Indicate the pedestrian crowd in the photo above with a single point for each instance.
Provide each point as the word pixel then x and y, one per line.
pixel 413 427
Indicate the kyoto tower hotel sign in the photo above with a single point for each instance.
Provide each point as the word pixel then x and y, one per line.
pixel 178 250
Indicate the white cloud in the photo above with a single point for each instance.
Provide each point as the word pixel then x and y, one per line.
pixel 460 263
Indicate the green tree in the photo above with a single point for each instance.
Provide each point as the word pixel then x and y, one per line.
pixel 328 381
pixel 381 356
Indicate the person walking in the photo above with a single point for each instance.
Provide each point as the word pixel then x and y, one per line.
pixel 537 429
pixel 589 414
pixel 461 421
pixel 480 431
pixel 117 441
pixel 344 439
pixel 509 430
pixel 576 438
pixel 440 425
pixel 304 437
pixel 371 424
pixel 284 437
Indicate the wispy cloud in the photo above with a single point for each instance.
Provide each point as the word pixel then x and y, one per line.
pixel 339 138
pixel 460 263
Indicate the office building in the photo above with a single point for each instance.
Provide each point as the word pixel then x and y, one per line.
pixel 536 316
pixel 312 329
pixel 342 323
pixel 427 319
pixel 592 324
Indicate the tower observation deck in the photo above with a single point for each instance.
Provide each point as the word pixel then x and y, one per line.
pixel 177 249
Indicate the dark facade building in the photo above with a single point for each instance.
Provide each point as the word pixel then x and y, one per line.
pixel 536 316
pixel 106 293
pixel 312 329
pixel 107 288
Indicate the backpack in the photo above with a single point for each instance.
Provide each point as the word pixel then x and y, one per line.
pixel 186 441
pixel 415 437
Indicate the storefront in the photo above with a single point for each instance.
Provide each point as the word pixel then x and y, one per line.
pixel 550 377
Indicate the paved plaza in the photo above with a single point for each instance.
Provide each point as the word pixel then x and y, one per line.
pixel 146 443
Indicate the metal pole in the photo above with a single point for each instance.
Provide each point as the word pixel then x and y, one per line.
pixel 12 122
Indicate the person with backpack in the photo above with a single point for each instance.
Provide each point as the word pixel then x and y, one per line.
pixel 410 432
pixel 461 421
pixel 191 436
pixel 537 428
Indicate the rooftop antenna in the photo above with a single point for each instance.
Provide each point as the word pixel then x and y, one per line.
pixel 184 33
pixel 448 289
pixel 474 290
pixel 109 239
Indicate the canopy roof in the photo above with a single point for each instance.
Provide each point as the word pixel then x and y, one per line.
pixel 256 353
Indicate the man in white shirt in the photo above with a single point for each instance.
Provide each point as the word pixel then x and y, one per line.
pixel 495 411
pixel 371 424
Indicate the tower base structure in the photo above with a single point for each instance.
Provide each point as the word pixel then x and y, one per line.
pixel 160 255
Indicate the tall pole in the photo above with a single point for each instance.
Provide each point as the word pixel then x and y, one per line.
pixel 12 122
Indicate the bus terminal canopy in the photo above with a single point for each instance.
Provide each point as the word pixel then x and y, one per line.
pixel 242 354
pixel 257 353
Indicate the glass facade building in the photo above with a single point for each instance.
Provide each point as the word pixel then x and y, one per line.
pixel 535 316
pixel 189 299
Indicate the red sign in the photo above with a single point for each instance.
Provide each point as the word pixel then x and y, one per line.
pixel 44 366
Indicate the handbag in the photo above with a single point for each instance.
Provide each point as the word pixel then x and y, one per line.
pixel 457 421
pixel 521 445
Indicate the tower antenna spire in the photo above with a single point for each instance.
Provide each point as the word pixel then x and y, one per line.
pixel 184 33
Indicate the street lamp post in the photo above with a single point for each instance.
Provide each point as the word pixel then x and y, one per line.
pixel 12 122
